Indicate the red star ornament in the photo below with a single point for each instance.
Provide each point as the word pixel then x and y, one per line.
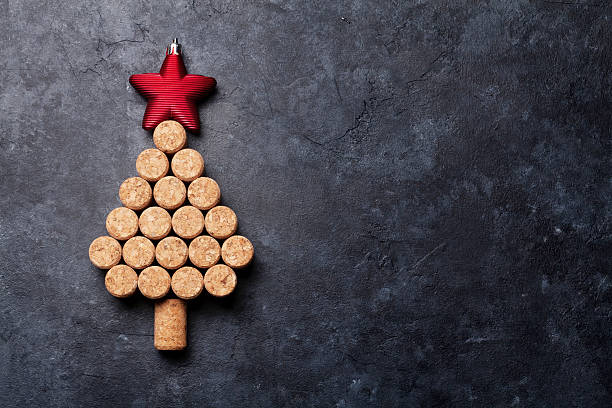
pixel 172 94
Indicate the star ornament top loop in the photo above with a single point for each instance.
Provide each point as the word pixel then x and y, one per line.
pixel 172 93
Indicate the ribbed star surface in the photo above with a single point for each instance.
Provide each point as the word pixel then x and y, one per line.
pixel 172 94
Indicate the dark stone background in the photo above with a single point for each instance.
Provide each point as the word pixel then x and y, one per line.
pixel 427 186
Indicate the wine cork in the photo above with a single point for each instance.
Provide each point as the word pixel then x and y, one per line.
pixel 171 252
pixel 237 251
pixel 220 280
pixel 135 193
pixel 121 281
pixel 204 251
pixel 105 252
pixel 188 222
pixel 152 164
pixel 169 136
pixel 170 328
pixel 204 193
pixel 154 282
pixel 221 222
pixel 187 164
pixel 138 252
pixel 169 192
pixel 122 223
pixel 187 283
pixel 155 223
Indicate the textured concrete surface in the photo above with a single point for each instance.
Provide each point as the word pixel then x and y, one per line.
pixel 427 186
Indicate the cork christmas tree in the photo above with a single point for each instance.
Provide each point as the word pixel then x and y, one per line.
pixel 171 240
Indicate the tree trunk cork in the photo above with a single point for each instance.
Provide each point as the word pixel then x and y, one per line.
pixel 152 164
pixel 187 164
pixel 170 328
pixel 169 136
pixel 204 193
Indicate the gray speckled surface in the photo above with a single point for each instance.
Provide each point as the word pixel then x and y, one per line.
pixel 427 188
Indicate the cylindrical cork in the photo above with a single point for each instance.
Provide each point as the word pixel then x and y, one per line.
pixel 169 192
pixel 105 252
pixel 187 283
pixel 221 222
pixel 138 252
pixel 187 164
pixel 155 223
pixel 204 251
pixel 171 252
pixel 204 193
pixel 121 281
pixel 152 164
pixel 237 251
pixel 154 282
pixel 169 136
pixel 135 193
pixel 122 223
pixel 220 280
pixel 170 324
pixel 188 222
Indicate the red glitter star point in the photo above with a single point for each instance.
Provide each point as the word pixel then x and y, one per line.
pixel 172 93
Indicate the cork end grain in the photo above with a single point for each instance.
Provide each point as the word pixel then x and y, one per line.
pixel 220 280
pixel 187 164
pixel 105 252
pixel 170 327
pixel 237 251
pixel 135 193
pixel 221 222
pixel 171 252
pixel 204 193
pixel 138 252
pixel 187 283
pixel 152 164
pixel 122 223
pixel 188 222
pixel 204 251
pixel 121 281
pixel 155 223
pixel 169 192
pixel 169 136
pixel 154 282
